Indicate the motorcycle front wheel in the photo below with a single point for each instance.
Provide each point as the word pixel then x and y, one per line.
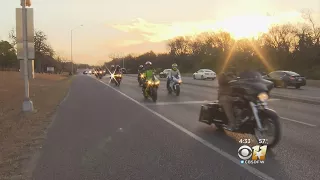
pixel 271 134
pixel 177 90
pixel 154 94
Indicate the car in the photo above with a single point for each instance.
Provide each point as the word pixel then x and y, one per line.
pixel 204 74
pixel 164 73
pixel 123 70
pixel 286 78
pixel 85 72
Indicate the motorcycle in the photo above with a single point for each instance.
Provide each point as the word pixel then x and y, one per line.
pixel 250 108
pixel 99 74
pixel 140 79
pixel 174 85
pixel 116 79
pixel 151 89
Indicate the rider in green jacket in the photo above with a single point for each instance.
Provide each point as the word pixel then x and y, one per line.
pixel 148 74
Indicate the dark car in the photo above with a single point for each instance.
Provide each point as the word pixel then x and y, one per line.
pixel 123 70
pixel 286 78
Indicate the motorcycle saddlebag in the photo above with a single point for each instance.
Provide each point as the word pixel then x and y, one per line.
pixel 208 111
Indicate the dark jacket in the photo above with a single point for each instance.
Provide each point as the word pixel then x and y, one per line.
pixel 223 81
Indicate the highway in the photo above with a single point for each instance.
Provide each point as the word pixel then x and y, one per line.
pixel 304 94
pixel 106 132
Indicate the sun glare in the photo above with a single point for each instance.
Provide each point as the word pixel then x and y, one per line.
pixel 246 26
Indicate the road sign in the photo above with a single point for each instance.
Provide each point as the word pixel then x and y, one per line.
pixel 30 33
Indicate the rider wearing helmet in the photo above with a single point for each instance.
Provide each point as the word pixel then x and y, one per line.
pixel 112 69
pixel 118 70
pixel 140 71
pixel 173 72
pixel 148 73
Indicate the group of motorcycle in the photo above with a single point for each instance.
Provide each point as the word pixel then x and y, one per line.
pixel 115 77
pixel 150 87
pixel 99 73
pixel 249 105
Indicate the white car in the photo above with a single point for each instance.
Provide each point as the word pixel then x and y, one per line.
pixel 164 73
pixel 204 74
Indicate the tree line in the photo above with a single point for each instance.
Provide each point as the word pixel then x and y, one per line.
pixel 45 56
pixel 294 47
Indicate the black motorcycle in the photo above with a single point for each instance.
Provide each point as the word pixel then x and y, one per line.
pixel 140 79
pixel 99 74
pixel 116 78
pixel 251 108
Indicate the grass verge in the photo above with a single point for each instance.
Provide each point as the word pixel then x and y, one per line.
pixel 22 133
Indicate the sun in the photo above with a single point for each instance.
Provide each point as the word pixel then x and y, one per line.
pixel 246 26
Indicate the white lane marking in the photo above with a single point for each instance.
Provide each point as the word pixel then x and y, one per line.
pixel 206 143
pixel 199 102
pixel 184 102
pixel 174 103
pixel 292 120
pixel 273 99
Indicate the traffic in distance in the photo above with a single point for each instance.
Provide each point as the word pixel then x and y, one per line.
pixel 242 104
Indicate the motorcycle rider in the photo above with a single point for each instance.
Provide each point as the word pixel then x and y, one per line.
pixel 112 68
pixel 118 70
pixel 140 71
pixel 173 72
pixel 225 98
pixel 148 74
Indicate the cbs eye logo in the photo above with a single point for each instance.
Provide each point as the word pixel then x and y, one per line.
pixel 245 152
pixel 256 152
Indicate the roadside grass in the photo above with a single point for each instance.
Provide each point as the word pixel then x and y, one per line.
pixel 21 134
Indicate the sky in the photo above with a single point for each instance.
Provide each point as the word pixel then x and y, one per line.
pixel 125 26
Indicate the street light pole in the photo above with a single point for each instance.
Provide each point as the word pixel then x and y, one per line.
pixel 72 48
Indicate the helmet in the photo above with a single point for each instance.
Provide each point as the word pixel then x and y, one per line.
pixel 117 67
pixel 141 66
pixel 112 66
pixel 174 66
pixel 148 64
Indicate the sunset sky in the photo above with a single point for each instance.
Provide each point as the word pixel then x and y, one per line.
pixel 143 25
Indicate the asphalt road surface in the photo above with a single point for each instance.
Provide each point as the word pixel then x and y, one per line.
pixel 107 132
pixel 306 92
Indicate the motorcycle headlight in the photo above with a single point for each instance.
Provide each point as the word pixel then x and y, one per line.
pixel 149 82
pixel 179 81
pixel 157 82
pixel 263 97
pixel 112 75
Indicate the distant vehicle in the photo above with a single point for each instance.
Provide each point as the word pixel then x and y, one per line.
pixel 204 74
pixel 286 78
pixel 85 72
pixel 164 73
pixel 123 70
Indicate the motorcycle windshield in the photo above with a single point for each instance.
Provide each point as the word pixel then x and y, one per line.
pixel 251 82
pixel 250 86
